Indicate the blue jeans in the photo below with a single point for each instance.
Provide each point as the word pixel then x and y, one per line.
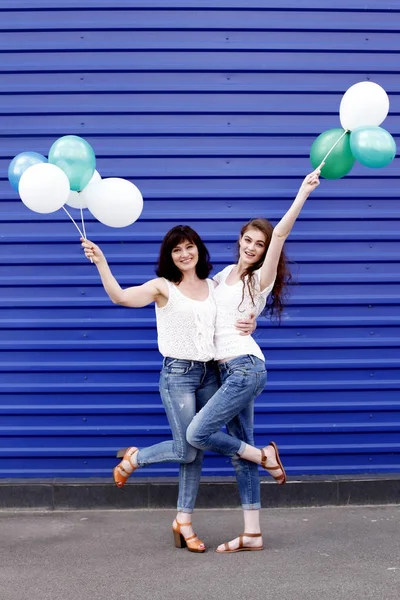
pixel 243 379
pixel 185 387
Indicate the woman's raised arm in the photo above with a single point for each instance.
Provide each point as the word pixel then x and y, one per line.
pixel 135 297
pixel 284 227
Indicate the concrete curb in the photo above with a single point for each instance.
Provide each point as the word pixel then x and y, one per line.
pixel 146 493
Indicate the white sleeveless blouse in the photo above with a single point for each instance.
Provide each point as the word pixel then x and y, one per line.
pixel 185 327
pixel 231 308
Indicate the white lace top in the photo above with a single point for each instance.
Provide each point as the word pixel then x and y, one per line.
pixel 230 308
pixel 185 327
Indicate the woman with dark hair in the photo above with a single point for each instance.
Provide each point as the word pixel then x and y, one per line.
pixel 185 313
pixel 261 272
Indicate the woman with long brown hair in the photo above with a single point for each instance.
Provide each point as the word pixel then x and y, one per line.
pixel 243 288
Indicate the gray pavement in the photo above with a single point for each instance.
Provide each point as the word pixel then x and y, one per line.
pixel 349 553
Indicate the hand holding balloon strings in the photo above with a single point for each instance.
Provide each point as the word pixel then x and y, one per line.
pixel 311 181
pixel 92 252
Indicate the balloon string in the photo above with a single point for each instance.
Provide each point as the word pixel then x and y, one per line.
pixel 83 226
pixel 83 223
pixel 334 145
pixel 81 234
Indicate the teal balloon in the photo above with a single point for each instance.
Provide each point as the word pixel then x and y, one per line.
pixel 373 147
pixel 76 158
pixel 20 164
pixel 340 161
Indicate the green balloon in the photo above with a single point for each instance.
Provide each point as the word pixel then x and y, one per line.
pixel 76 158
pixel 340 161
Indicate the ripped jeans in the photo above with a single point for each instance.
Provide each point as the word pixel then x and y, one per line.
pixel 185 387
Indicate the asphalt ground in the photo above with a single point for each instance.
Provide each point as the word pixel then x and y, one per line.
pixel 329 553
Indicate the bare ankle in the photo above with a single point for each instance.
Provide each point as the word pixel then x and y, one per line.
pixel 253 530
pixel 183 517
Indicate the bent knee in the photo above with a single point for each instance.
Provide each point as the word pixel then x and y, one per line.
pixel 193 438
pixel 187 455
pixel 190 455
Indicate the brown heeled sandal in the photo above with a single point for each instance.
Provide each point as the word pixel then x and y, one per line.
pixel 192 543
pixel 242 547
pixel 125 468
pixel 280 479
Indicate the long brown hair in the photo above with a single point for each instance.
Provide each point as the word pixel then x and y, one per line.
pixel 275 301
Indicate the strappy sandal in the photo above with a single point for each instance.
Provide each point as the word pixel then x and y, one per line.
pixel 192 543
pixel 280 479
pixel 242 547
pixel 125 468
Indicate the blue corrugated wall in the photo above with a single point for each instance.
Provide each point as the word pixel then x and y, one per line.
pixel 210 107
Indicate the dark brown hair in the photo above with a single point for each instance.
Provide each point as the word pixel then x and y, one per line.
pixel 275 301
pixel 175 236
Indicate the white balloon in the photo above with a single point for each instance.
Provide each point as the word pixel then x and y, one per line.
pixel 77 199
pixel 364 104
pixel 44 188
pixel 114 202
pixel 96 178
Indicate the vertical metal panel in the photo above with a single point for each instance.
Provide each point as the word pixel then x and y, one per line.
pixel 211 109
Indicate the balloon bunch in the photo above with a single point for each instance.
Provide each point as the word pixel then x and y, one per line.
pixel 363 108
pixel 69 177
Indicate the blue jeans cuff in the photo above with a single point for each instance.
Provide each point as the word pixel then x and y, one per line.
pixel 255 506
pixel 242 448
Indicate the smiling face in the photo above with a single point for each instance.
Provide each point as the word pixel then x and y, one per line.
pixel 252 246
pixel 185 256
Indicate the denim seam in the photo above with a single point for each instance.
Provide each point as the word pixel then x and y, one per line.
pixel 176 423
pixel 249 486
pixel 204 374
